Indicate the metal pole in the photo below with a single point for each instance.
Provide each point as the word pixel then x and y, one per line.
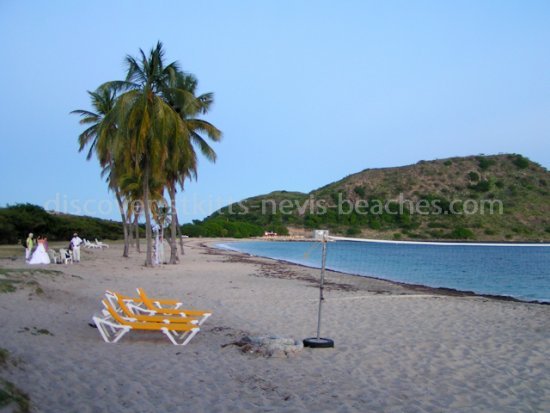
pixel 321 286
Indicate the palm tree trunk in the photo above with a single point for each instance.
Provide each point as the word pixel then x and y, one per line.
pixel 147 212
pixel 180 235
pixel 136 228
pixel 125 228
pixel 130 228
pixel 173 224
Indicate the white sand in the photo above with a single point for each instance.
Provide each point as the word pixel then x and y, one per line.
pixel 397 350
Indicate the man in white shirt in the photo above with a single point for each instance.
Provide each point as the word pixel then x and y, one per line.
pixel 75 244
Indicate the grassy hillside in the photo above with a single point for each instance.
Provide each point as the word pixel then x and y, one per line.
pixel 18 220
pixel 496 198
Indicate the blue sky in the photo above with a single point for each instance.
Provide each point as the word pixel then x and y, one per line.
pixel 306 92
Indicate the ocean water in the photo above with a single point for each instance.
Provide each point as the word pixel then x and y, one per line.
pixel 521 272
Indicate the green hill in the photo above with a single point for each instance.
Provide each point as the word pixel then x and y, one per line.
pixel 489 198
pixel 18 220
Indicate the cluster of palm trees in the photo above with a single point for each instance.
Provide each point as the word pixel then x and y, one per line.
pixel 144 132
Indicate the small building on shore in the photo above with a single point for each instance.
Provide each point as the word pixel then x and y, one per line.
pixel 320 234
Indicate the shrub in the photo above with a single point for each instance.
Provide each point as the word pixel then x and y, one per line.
pixel 223 227
pixel 485 163
pixel 352 231
pixel 520 161
pixel 437 225
pixel 435 233
pixel 375 224
pixel 461 233
pixel 359 190
pixel 482 186
pixel 278 229
pixel 473 176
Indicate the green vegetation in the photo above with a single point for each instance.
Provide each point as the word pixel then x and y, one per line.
pixel 485 163
pixel 7 286
pixel 18 220
pixel 12 278
pixel 359 190
pixel 474 176
pixel 10 394
pixel 220 227
pixel 481 186
pixel 500 197
pixel 520 161
pixel 4 356
pixel 461 233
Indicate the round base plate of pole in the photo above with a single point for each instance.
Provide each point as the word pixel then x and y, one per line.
pixel 314 342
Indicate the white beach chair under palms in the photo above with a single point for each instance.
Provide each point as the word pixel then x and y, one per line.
pixel 101 244
pixel 65 256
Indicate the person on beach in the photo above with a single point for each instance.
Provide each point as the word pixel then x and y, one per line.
pixel 28 249
pixel 40 256
pixel 160 248
pixel 75 244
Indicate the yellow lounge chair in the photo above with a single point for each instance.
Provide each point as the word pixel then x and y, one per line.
pixel 129 311
pixel 162 302
pixel 114 328
pixel 201 315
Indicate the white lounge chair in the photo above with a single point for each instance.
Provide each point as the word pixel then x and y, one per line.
pixel 88 244
pixel 54 256
pixel 101 244
pixel 65 256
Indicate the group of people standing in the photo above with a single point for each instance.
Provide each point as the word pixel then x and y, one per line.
pixel 37 252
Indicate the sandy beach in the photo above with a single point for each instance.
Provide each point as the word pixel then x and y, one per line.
pixel 397 349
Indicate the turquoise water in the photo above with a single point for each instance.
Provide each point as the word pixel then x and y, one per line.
pixel 514 271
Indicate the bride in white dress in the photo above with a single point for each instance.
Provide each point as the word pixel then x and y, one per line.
pixel 40 255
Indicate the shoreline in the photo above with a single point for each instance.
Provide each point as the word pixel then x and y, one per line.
pixel 452 292
pixel 397 349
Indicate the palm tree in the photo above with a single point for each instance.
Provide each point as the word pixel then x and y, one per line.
pixel 147 134
pixel 100 136
pixel 145 121
pixel 182 161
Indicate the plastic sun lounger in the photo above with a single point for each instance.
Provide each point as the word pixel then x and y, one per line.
pixel 100 244
pixel 114 328
pixel 162 302
pixel 88 244
pixel 131 312
pixel 156 306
